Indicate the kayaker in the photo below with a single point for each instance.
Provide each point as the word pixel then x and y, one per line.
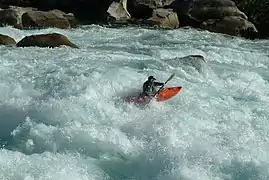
pixel 149 87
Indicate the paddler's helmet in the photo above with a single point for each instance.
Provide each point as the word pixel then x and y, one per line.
pixel 151 78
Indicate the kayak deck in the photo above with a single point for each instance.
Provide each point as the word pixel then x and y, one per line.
pixel 168 93
pixel 164 94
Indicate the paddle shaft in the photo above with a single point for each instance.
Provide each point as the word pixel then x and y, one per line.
pixel 164 84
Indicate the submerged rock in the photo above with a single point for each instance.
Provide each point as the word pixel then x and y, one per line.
pixel 196 61
pixel 46 40
pixel 6 40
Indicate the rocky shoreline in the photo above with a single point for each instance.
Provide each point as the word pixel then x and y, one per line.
pixel 220 16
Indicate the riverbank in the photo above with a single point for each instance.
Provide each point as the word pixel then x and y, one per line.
pixel 220 16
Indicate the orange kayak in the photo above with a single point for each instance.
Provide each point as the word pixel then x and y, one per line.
pixel 167 93
pixel 164 94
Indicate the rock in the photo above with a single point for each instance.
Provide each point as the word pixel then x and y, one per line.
pixel 164 18
pixel 202 10
pixel 207 11
pixel 84 10
pixel 182 8
pixel 118 11
pixel 232 25
pixel 154 3
pixel 69 16
pixel 71 19
pixel 124 4
pixel 6 40
pixel 143 9
pixel 12 15
pixel 46 40
pixel 41 19
pixel 193 13
pixel 196 61
pixel 139 10
pixel 258 14
pixel 148 12
pixel 220 16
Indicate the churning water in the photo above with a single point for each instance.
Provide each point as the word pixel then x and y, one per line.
pixel 62 118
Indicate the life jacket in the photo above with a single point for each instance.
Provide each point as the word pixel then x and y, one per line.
pixel 149 88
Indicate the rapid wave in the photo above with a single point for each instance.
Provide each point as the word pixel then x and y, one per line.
pixel 61 114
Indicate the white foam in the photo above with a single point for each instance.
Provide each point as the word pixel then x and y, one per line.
pixel 68 122
pixel 47 166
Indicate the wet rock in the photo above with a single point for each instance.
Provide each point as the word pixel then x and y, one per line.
pixel 12 15
pixel 154 3
pixel 221 16
pixel 41 19
pixel 139 10
pixel 84 10
pixel 202 10
pixel 232 25
pixel 164 18
pixel 6 40
pixel 193 13
pixel 46 40
pixel 69 16
pixel 196 61
pixel 214 9
pixel 141 13
pixel 118 10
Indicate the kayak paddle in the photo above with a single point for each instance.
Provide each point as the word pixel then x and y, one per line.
pixel 164 84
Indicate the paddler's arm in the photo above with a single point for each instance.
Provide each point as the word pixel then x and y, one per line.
pixel 158 84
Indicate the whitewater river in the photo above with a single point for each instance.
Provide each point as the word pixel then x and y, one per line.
pixel 62 118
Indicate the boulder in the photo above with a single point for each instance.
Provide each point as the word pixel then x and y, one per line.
pixel 258 13
pixel 143 9
pixel 84 10
pixel 202 10
pixel 46 40
pixel 220 16
pixel 42 19
pixel 164 18
pixel 154 3
pixel 6 40
pixel 232 25
pixel 118 10
pixel 69 16
pixel 209 10
pixel 139 10
pixel 12 15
